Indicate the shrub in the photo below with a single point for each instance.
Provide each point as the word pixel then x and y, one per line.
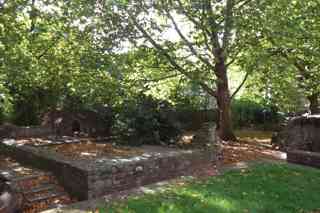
pixel 246 113
pixel 145 121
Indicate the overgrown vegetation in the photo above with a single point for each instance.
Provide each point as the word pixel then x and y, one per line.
pixel 78 54
pixel 145 120
pixel 264 188
pixel 248 113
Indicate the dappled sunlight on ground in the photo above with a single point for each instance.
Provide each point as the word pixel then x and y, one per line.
pixel 251 145
pixel 265 187
pixel 93 150
pixel 254 136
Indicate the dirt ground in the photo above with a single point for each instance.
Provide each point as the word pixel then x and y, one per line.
pixel 251 145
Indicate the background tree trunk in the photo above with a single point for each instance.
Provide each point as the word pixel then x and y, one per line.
pixel 225 128
pixel 314 104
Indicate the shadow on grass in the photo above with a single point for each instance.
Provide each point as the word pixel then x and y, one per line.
pixel 264 188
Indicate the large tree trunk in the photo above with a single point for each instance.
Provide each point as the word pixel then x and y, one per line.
pixel 225 129
pixel 314 104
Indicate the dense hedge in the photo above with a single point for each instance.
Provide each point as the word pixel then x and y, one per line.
pixel 145 120
pixel 247 113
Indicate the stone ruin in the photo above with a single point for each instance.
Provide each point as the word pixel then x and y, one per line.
pixel 301 133
pixel 68 123
pixel 301 140
pixel 62 123
pixel 206 134
pixel 206 137
pixel 89 176
pixel 10 200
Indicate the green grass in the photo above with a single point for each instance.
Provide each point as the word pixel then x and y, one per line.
pixel 265 188
pixel 253 134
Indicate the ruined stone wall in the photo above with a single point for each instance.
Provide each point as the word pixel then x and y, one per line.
pixel 304 158
pixel 123 175
pixel 72 177
pixel 12 131
pixel 301 140
pixel 86 180
pixel 301 133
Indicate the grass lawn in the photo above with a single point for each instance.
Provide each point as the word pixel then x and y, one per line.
pixel 247 134
pixel 265 188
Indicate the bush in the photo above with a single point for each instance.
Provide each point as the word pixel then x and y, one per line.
pixel 2 116
pixel 247 113
pixel 145 121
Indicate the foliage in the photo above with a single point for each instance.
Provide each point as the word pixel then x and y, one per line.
pixel 286 53
pixel 264 188
pixel 144 121
pixel 144 70
pixel 205 39
pixel 5 105
pixel 247 113
pixel 50 58
pixel 283 93
pixel 81 54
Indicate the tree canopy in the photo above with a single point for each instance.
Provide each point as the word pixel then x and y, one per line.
pixel 85 53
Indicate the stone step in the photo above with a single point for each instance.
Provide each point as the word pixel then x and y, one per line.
pixel 46 196
pixel 46 202
pixel 13 170
pixel 10 172
pixel 32 181
pixel 26 178
pixel 42 188
pixel 7 174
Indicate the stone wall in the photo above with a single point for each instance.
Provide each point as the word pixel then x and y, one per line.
pixel 300 138
pixel 125 174
pixel 86 180
pixel 73 177
pixel 12 131
pixel 301 133
pixel 85 121
pixel 304 158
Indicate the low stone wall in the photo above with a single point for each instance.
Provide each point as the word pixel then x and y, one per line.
pixel 72 176
pixel 301 133
pixel 119 175
pixel 86 180
pixel 304 158
pixel 12 131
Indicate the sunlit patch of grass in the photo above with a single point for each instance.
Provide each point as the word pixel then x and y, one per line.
pixel 254 136
pixel 261 189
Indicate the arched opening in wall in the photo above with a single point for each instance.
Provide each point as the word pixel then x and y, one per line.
pixel 76 126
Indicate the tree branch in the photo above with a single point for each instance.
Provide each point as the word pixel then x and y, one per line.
pixel 242 3
pixel 162 78
pixel 240 86
pixel 169 58
pixel 206 32
pixel 188 43
pixel 47 49
pixel 234 58
pixel 2 5
pixel 32 16
pixel 295 62
pixel 227 25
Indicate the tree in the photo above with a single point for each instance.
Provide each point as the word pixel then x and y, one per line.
pixel 48 56
pixel 288 52
pixel 144 70
pixel 205 39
